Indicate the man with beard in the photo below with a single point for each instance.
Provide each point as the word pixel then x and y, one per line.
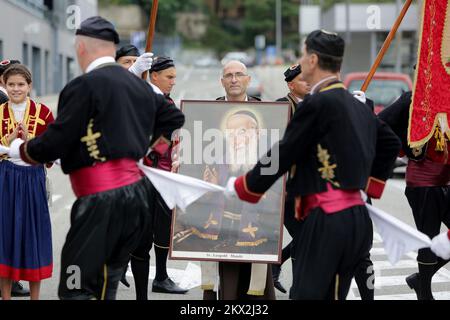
pixel 237 279
pixel 232 222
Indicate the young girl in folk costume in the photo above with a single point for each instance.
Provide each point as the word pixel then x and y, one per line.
pixel 25 230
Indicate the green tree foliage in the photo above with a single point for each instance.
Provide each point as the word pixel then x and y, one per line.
pixel 220 38
pixel 259 18
pixel 223 34
pixel 167 9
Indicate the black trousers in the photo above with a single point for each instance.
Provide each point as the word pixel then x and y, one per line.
pixel 327 249
pixel 105 229
pixel 235 280
pixel 159 231
pixel 290 222
pixel 431 208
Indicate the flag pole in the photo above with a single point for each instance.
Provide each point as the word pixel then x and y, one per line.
pixel 151 31
pixel 386 45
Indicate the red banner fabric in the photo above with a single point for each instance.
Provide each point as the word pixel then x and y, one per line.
pixel 431 97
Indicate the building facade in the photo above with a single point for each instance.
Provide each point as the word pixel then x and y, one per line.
pixel 365 27
pixel 41 34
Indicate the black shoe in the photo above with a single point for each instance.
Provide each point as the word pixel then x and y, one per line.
pixel 279 286
pixel 124 279
pixel 276 270
pixel 167 286
pixel 125 282
pixel 413 282
pixel 18 290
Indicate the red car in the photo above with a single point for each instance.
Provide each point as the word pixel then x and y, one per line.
pixel 384 89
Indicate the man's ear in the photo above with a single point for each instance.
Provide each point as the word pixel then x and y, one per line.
pixel 81 47
pixel 314 60
pixel 290 85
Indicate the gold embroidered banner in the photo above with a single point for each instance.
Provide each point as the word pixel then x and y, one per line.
pixel 431 95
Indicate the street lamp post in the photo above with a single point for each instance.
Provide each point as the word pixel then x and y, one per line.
pixel 279 31
pixel 398 43
pixel 347 22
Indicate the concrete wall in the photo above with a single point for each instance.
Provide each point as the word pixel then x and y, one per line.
pixel 366 42
pixel 20 26
pixel 357 54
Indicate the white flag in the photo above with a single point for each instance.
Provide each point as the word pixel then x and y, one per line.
pixel 176 189
pixel 398 237
pixel 4 150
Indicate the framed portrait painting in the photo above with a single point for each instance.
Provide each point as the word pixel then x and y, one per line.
pixel 220 140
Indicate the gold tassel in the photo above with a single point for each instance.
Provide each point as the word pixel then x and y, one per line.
pixel 440 139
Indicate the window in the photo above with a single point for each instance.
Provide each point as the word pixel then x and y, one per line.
pixel 37 70
pixel 70 71
pixel 47 72
pixel 25 53
pixel 58 79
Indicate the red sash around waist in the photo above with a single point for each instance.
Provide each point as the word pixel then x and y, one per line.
pixel 427 173
pixel 331 201
pixel 104 177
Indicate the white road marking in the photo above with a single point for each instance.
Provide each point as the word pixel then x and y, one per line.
pixel 188 278
pixel 56 197
pixel 398 184
pixel 188 74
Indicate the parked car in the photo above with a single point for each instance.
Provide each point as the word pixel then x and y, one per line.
pixel 239 56
pixel 384 89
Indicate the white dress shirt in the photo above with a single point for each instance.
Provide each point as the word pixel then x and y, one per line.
pixel 98 62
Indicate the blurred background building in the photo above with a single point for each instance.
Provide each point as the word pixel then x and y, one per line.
pixel 40 33
pixel 365 28
pixel 204 32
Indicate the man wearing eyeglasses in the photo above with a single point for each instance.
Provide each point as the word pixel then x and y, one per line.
pixel 236 279
pixel 235 80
